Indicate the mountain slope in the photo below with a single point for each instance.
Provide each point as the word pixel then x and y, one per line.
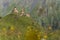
pixel 19 22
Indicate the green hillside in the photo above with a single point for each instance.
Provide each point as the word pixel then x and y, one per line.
pixel 13 27
pixel 16 24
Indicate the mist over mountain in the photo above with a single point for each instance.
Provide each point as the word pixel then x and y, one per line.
pixel 6 6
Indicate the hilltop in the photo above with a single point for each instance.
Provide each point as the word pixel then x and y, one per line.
pixel 19 22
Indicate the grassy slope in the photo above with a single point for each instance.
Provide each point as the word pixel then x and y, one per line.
pixel 20 23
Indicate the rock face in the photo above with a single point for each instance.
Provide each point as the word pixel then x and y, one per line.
pixel 28 15
pixel 23 13
pixel 15 10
